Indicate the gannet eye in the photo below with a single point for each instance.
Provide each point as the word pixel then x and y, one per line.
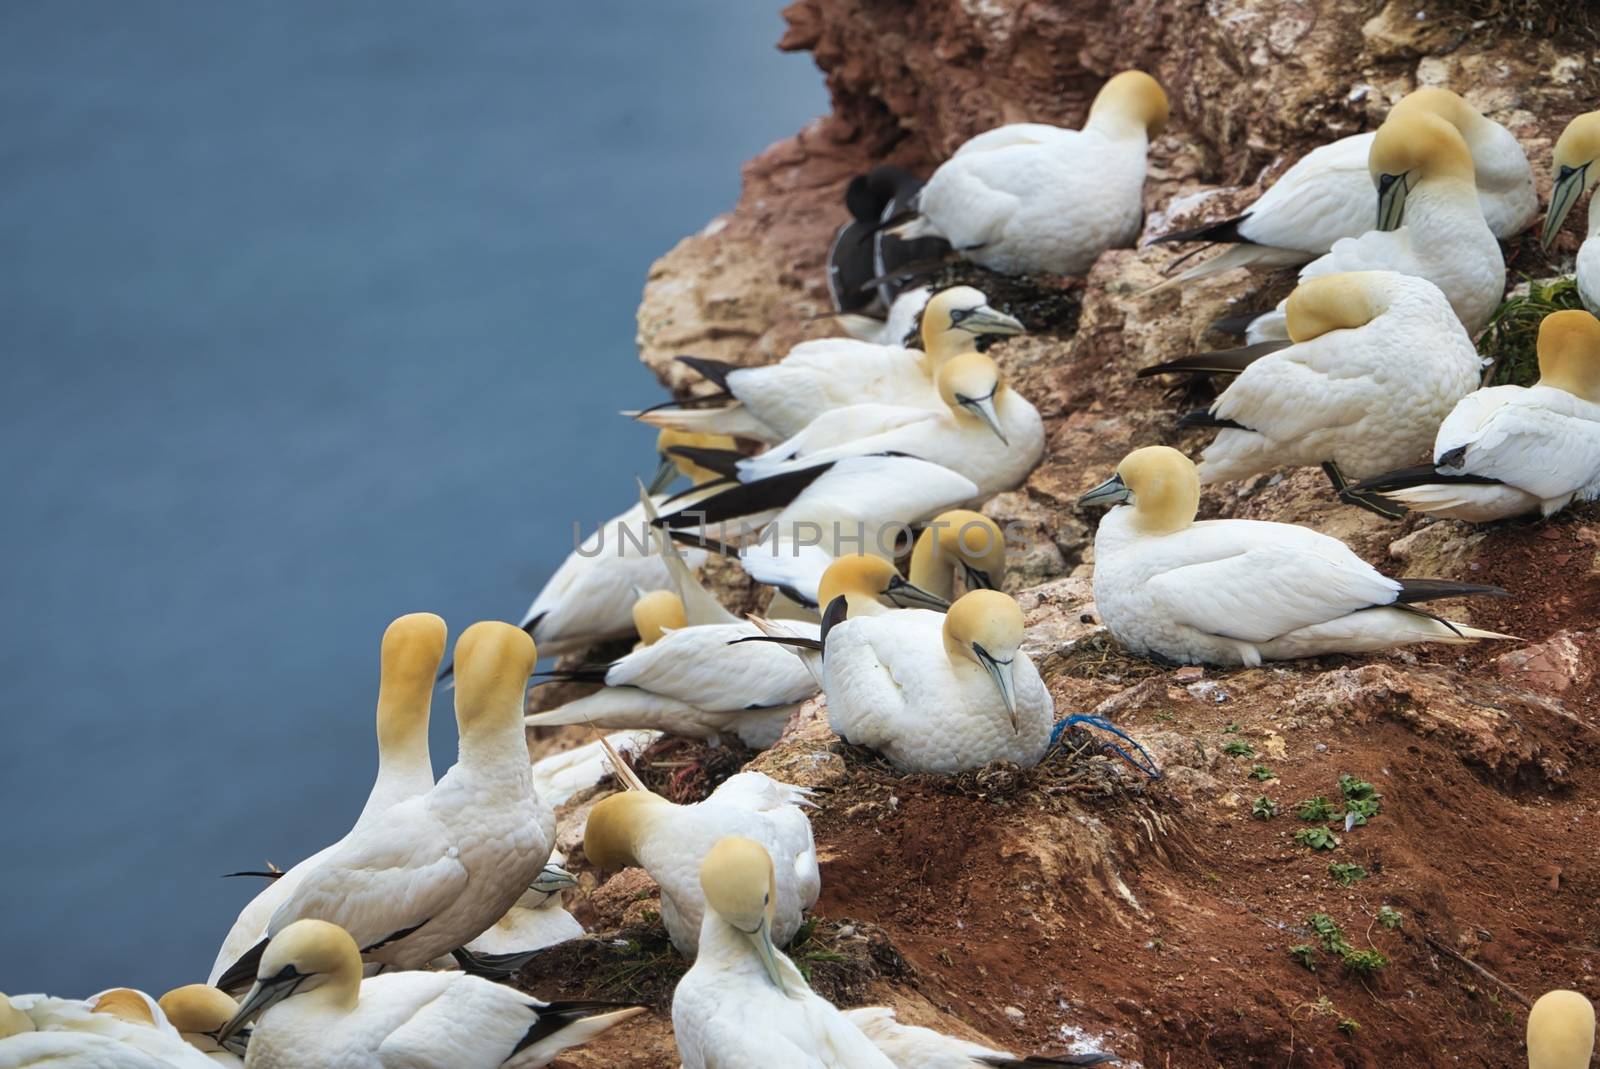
pixel 1385 181
pixel 958 314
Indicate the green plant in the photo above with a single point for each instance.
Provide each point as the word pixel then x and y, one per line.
pixel 1328 934
pixel 1231 729
pixel 1355 789
pixel 1263 808
pixel 1306 955
pixel 1316 809
pixel 1316 838
pixel 1238 748
pixel 1511 339
pixel 1348 1026
pixel 1165 717
pixel 1357 810
pixel 1364 962
pixel 1346 873
pixel 1390 918
pixel 1262 772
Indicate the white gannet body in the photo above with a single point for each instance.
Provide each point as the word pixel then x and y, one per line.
pixel 411 651
pixel 911 1047
pixel 1327 195
pixel 315 1010
pixel 1029 197
pixel 74 1050
pixel 1577 171
pixel 744 1003
pixel 670 841
pixel 559 776
pixel 982 429
pixel 932 692
pixel 897 327
pixel 777 401
pixel 199 1013
pixel 434 872
pixel 1508 450
pixel 117 1027
pixel 1233 592
pixel 1429 224
pixel 1378 360
pixel 537 920
pixel 1561 1031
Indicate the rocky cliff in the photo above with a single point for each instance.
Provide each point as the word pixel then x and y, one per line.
pixel 1170 921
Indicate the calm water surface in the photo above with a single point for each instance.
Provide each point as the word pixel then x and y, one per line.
pixel 312 314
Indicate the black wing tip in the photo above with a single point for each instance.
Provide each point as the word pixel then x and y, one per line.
pixel 1413 591
pixel 1200 417
pixel 1421 475
pixel 554 1016
pixel 242 973
pixel 1221 230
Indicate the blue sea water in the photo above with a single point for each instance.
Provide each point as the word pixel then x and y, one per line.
pixel 312 313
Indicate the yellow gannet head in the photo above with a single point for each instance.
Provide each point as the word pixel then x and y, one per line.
pixel 737 878
pixel 1136 98
pixel 125 1004
pixel 493 662
pixel 955 316
pixel 1159 482
pixel 614 827
pixel 13 1022
pixel 1334 302
pixel 959 538
pixel 862 578
pixel 969 384
pixel 674 464
pixel 1569 353
pixel 199 1012
pixel 1576 170
pixel 409 660
pixel 656 613
pixel 1560 1031
pixel 306 956
pixel 1411 148
pixel 985 626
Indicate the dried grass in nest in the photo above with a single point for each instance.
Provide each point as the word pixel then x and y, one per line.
pixel 687 770
pixel 1572 20
pixel 1098 656
pixel 1043 302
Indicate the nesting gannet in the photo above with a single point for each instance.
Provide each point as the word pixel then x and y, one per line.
pixel 434 872
pixel 1429 223
pixel 932 692
pixel 1234 592
pixel 412 648
pixel 73 1050
pixel 911 1047
pixel 638 827
pixel 863 260
pixel 777 401
pixel 984 430
pixel 1032 197
pixel 130 1020
pixel 1378 360
pixel 199 1013
pixel 896 327
pixel 655 613
pixel 1508 450
pixel 744 1003
pixel 1560 1031
pixel 1577 170
pixel 559 776
pixel 313 1009
pixel 963 541
pixel 1327 194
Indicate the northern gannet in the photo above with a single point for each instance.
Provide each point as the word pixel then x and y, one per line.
pixel 73 1050
pixel 863 260
pixel 1560 1031
pixel 743 1002
pixel 958 541
pixel 1577 170
pixel 1232 592
pixel 911 1047
pixel 199 1013
pixel 1327 195
pixel 432 873
pixel 932 692
pixel 1378 360
pixel 983 429
pixel 131 1021
pixel 537 920
pixel 412 648
pixel 655 613
pixel 559 776
pixel 776 401
pixel 1508 450
pixel 312 1008
pixel 639 828
pixel 1429 223
pixel 1031 197
pixel 896 327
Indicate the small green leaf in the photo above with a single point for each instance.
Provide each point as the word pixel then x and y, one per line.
pixel 1364 962
pixel 1306 955
pixel 1316 838
pixel 1328 934
pixel 1263 808
pixel 1316 809
pixel 1390 918
pixel 1354 789
pixel 1262 772
pixel 1238 748
pixel 1346 873
pixel 1348 1026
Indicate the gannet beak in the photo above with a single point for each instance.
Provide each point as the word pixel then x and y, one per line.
pixel 665 474
pixel 986 320
pixel 762 938
pixel 907 596
pixel 554 878
pixel 983 408
pixel 1111 492
pixel 1568 188
pixel 1000 672
pixel 238 1043
pixel 1392 190
pixel 262 997
pixel 977 580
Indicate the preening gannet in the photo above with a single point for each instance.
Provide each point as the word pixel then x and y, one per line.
pixel 559 776
pixel 411 651
pixel 1577 170
pixel 119 1028
pixel 963 541
pixel 313 1009
pixel 744 1003
pixel 1429 223
pixel 777 401
pixel 433 872
pixel 656 613
pixel 1561 1031
pixel 911 1047
pixel 1032 197
pixel 1378 360
pixel 1508 450
pixel 1232 592
pixel 1327 195
pixel 863 260
pixel 199 1013
pixel 637 827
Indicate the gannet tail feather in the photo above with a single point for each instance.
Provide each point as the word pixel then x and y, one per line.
pixel 1221 362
